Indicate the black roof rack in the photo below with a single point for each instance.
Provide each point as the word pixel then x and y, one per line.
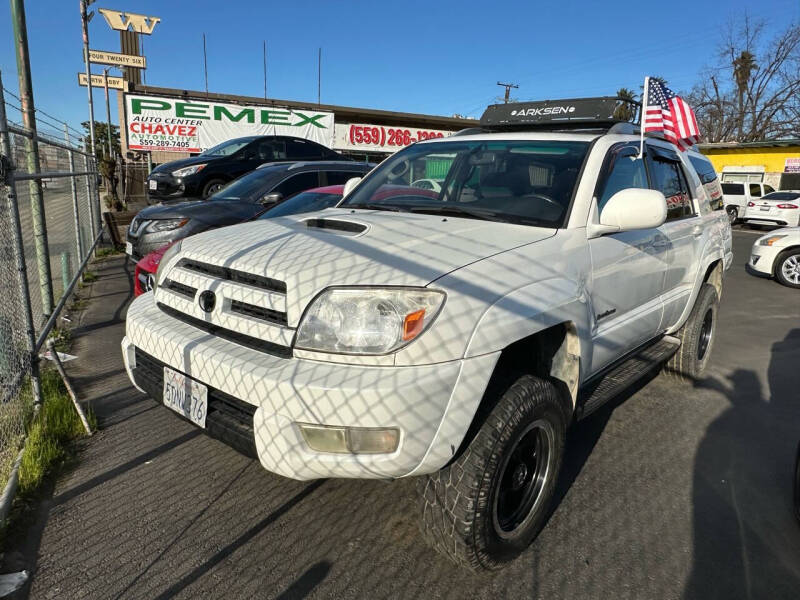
pixel 575 113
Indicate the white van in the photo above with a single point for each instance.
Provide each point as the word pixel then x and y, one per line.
pixel 737 195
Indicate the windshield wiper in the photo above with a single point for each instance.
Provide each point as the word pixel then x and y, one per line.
pixel 376 206
pixel 460 211
pixel 483 214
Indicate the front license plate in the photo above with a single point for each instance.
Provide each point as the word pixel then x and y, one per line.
pixel 185 396
pixel 128 248
pixel 153 184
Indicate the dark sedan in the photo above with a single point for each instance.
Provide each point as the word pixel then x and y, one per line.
pixel 243 199
pixel 203 175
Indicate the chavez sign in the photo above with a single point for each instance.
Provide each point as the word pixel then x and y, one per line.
pixel 188 125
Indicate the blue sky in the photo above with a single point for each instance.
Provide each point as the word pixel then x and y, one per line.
pixel 437 57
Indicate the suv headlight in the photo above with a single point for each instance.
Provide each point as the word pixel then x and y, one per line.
pixel 166 224
pixel 367 320
pixel 186 171
pixel 769 241
pixel 162 266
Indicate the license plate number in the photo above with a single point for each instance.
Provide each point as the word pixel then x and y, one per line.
pixel 185 396
pixel 153 184
pixel 128 248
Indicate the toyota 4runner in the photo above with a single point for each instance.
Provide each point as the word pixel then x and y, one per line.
pixel 450 335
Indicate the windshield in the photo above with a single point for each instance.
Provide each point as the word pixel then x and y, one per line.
pixel 227 148
pixel 250 187
pixel 526 182
pixel 302 203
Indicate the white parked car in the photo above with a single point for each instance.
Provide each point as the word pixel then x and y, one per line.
pixel 738 195
pixel 450 336
pixel 775 208
pixel 778 254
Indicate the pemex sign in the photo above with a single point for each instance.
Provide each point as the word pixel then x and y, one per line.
pixel 170 124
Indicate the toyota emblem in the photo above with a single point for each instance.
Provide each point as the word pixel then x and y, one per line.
pixel 207 301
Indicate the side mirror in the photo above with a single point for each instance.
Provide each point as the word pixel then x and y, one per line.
pixel 631 209
pixel 271 198
pixel 349 185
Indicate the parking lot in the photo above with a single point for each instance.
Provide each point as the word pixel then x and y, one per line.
pixel 675 490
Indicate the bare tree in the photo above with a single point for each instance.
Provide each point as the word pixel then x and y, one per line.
pixel 752 93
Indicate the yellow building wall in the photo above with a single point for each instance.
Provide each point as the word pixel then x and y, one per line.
pixel 772 159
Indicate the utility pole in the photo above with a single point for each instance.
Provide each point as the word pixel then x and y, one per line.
pixel 265 69
pixel 205 62
pixel 85 28
pixel 508 87
pixel 319 76
pixel 34 185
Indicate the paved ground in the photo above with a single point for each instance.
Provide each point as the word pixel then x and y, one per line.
pixel 677 491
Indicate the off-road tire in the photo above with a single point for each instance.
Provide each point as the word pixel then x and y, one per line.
pixel 207 188
pixel 459 503
pixel 691 359
pixel 787 255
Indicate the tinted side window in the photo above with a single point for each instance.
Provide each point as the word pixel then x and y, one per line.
pixel 338 177
pixel 704 168
pixel 735 189
pixel 708 177
pixel 768 189
pixel 670 181
pixel 298 183
pixel 623 171
pixel 755 190
pixel 301 150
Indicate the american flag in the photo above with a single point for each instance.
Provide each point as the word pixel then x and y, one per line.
pixel 668 112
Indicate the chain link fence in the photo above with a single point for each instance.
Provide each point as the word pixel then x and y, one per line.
pixel 49 227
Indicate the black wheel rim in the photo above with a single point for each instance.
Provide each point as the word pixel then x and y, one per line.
pixel 732 214
pixel 214 188
pixel 523 477
pixel 705 334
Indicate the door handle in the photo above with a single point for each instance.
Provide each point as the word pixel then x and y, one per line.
pixel 697 231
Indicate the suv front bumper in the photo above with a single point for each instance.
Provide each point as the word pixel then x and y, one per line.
pixel 431 405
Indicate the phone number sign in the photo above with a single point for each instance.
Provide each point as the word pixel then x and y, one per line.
pixel 381 138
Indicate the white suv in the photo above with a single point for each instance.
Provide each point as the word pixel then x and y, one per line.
pixel 450 335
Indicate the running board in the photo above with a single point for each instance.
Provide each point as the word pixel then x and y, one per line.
pixel 612 383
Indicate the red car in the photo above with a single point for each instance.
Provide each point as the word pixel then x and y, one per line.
pixel 311 200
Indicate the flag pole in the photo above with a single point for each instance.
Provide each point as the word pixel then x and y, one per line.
pixel 642 113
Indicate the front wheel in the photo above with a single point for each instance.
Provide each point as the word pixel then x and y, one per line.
pixel 733 214
pixel 488 505
pixel 211 187
pixel 697 336
pixel 787 268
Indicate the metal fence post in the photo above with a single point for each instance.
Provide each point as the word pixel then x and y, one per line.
pixel 74 186
pixel 89 195
pixel 99 212
pixel 19 253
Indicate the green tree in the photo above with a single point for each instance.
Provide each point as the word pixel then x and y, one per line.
pixel 625 111
pixel 101 138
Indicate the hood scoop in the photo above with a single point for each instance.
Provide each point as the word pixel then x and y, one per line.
pixel 335 225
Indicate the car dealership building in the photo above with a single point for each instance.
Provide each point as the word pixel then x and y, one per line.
pixel 171 123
